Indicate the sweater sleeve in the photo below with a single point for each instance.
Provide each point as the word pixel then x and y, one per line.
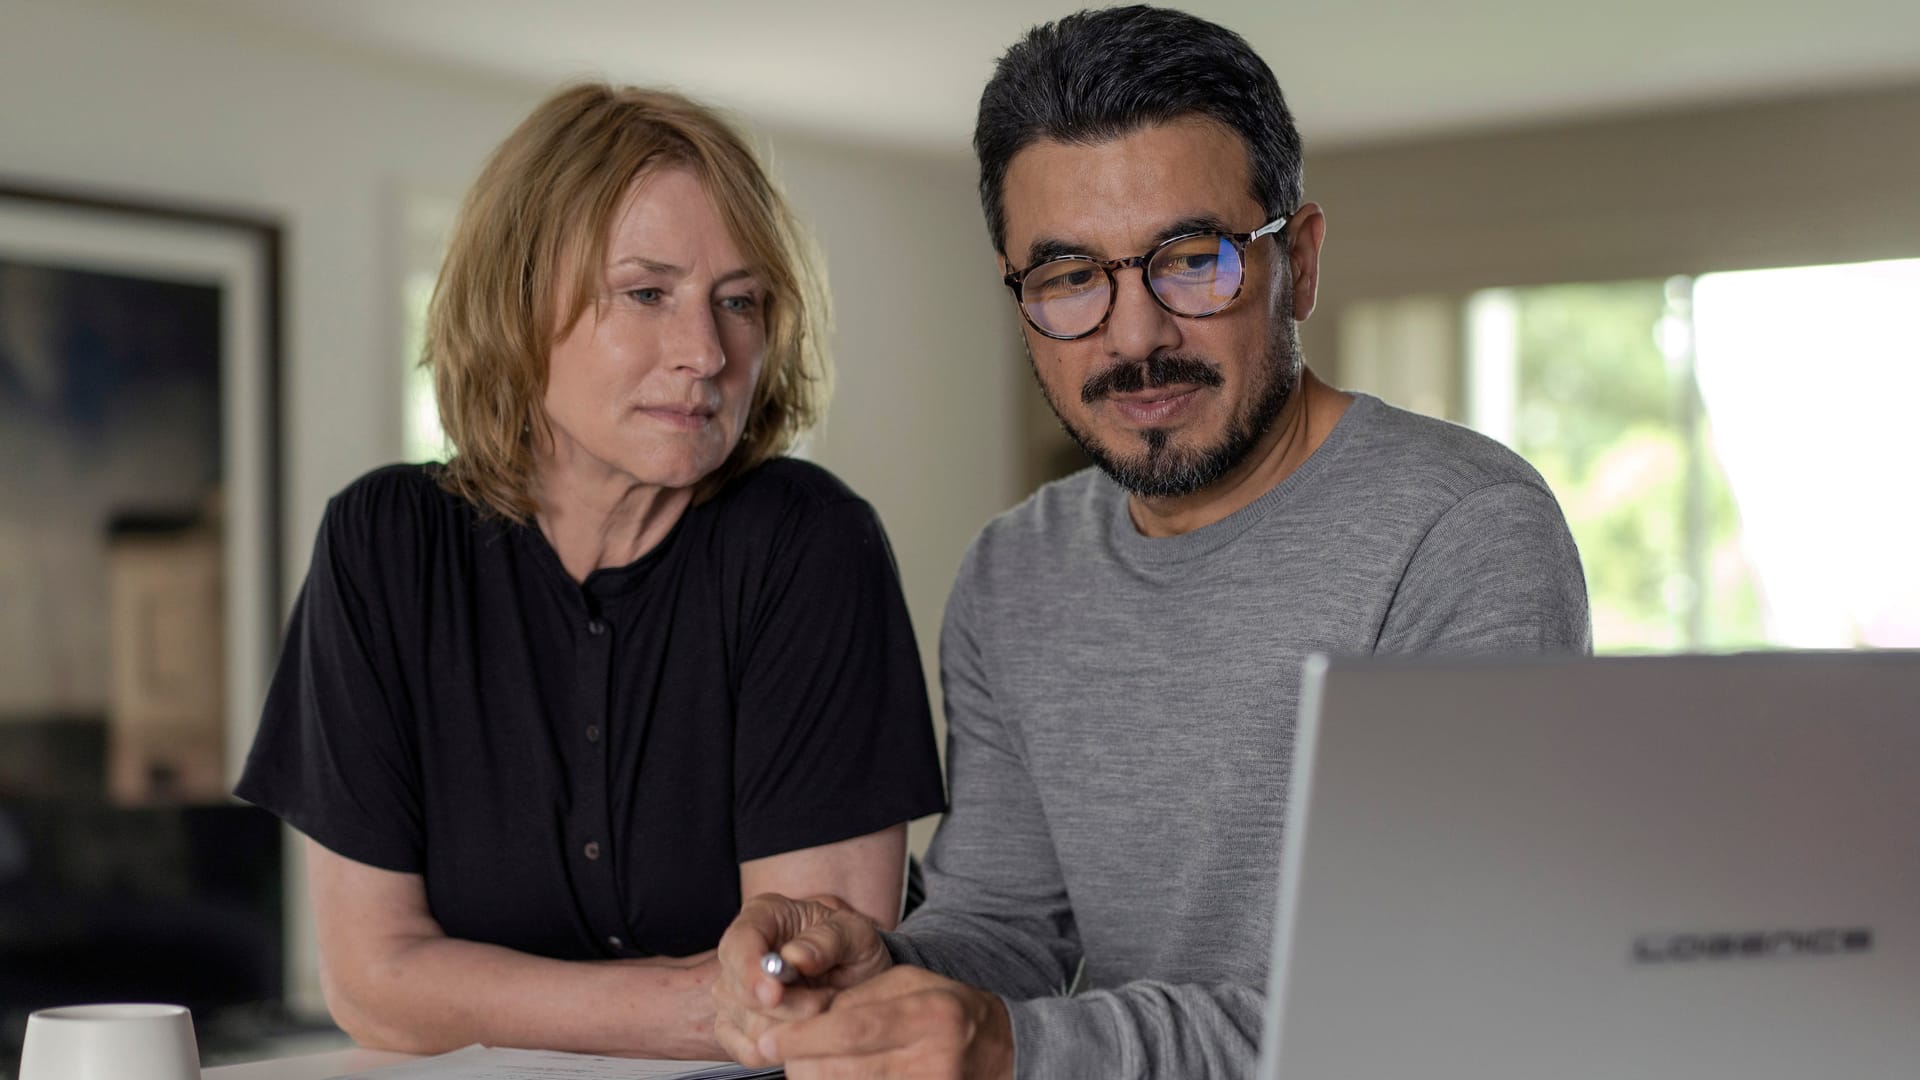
pixel 1144 1029
pixel 1497 572
pixel 997 915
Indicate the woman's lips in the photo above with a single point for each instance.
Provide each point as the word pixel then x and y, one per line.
pixel 682 417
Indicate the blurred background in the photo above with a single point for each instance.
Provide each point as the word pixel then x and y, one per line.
pixel 1670 251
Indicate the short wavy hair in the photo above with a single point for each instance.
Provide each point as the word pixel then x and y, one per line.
pixel 526 246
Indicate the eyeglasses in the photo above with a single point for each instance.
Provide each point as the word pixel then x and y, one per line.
pixel 1193 275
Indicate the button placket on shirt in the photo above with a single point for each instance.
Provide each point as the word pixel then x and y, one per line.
pixel 590 822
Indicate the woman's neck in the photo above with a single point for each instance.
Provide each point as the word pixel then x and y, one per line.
pixel 598 521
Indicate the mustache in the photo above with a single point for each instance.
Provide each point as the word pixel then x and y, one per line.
pixel 1152 373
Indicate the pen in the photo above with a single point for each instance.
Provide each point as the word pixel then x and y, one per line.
pixel 776 966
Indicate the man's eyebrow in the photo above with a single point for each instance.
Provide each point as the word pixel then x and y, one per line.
pixel 1197 223
pixel 1051 247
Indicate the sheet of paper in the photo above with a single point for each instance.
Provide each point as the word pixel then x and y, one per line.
pixel 492 1063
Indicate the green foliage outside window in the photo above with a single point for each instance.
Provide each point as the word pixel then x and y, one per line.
pixel 1606 418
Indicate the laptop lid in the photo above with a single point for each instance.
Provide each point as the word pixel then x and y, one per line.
pixel 1688 866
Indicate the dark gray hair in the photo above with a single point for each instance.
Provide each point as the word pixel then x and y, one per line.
pixel 1099 75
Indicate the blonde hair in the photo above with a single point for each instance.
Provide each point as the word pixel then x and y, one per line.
pixel 541 211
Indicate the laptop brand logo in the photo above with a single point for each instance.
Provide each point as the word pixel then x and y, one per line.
pixel 1682 948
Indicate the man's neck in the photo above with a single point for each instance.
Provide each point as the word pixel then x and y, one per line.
pixel 1303 424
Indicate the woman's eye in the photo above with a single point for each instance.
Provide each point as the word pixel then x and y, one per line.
pixel 740 305
pixel 645 296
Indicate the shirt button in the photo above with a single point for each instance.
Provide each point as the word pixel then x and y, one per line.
pixel 592 850
pixel 596 627
pixel 593 732
pixel 614 940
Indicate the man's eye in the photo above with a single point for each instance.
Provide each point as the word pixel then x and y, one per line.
pixel 1193 264
pixel 1066 281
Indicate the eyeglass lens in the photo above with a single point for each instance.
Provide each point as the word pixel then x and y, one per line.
pixel 1193 275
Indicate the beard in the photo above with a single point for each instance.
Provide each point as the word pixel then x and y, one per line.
pixel 1154 466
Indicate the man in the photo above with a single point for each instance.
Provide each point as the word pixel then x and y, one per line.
pixel 1122 653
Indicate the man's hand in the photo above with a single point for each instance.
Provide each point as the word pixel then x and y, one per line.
pixel 906 1022
pixel 830 945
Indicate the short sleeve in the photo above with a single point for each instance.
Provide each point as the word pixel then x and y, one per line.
pixel 833 735
pixel 333 757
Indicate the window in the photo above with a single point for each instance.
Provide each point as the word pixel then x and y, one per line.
pixel 423 439
pixel 427 219
pixel 1734 451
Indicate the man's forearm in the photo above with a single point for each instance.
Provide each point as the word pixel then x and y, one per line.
pixel 1011 959
pixel 1149 1030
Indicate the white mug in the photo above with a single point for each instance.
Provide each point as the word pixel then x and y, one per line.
pixel 110 1042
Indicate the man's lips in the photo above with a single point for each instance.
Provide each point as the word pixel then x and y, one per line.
pixel 1155 405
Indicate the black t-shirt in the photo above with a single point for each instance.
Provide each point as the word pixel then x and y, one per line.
pixel 577 770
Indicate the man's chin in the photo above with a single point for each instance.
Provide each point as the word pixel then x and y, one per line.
pixel 1169 471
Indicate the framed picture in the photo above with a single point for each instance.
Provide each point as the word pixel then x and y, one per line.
pixel 140 591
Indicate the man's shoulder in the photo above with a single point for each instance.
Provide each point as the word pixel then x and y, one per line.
pixel 1396 451
pixel 1060 523
pixel 1069 511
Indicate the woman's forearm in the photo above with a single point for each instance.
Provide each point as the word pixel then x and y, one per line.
pixel 436 993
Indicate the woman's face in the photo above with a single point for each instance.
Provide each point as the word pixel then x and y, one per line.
pixel 651 385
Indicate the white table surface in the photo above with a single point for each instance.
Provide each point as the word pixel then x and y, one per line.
pixel 308 1066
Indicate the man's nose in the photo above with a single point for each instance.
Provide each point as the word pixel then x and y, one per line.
pixel 1138 326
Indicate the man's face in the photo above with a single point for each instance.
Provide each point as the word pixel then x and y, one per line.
pixel 1164 404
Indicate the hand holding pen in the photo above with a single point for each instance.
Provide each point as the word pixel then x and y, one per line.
pixel 784 960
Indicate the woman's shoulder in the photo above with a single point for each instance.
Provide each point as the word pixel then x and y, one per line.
pixel 789 482
pixel 787 502
pixel 791 491
pixel 396 506
pixel 391 490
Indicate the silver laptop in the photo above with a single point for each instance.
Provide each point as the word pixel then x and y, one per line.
pixel 1688 867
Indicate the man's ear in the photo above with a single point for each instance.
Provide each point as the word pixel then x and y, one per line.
pixel 1306 231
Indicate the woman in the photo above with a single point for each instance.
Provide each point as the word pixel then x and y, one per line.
pixel 546 713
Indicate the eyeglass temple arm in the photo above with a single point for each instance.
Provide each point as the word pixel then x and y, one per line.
pixel 1273 226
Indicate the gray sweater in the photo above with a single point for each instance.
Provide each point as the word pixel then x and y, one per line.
pixel 1121 714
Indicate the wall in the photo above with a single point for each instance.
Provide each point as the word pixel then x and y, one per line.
pixel 1797 182
pixel 334 144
